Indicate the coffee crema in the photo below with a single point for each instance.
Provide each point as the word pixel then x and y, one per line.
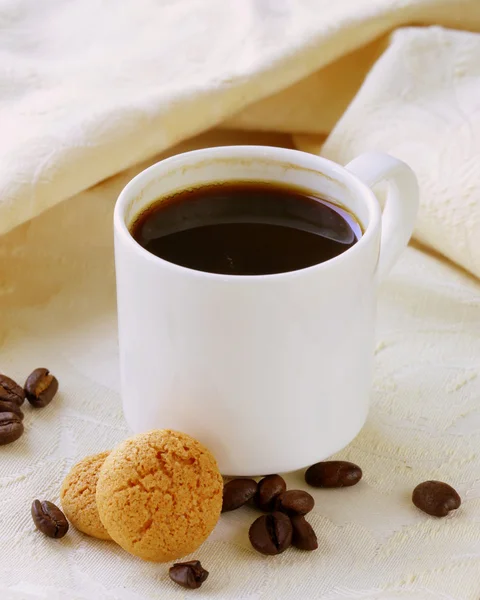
pixel 245 228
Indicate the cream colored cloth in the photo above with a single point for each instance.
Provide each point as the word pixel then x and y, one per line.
pixel 87 88
pixel 90 87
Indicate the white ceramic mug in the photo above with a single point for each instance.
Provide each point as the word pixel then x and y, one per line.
pixel 273 372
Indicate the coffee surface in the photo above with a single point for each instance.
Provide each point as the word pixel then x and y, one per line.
pixel 245 228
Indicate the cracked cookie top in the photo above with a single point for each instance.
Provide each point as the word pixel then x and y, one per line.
pixel 78 496
pixel 159 494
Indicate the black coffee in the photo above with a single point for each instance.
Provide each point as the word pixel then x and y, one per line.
pixel 245 228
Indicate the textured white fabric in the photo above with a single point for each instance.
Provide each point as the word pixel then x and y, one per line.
pixel 87 88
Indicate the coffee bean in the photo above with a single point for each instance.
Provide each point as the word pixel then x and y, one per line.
pixel 189 574
pixel 40 387
pixel 11 391
pixel 11 407
pixel 436 498
pixel 11 428
pixel 267 490
pixel 303 536
pixel 271 534
pixel 49 519
pixel 333 474
pixel 294 502
pixel 238 492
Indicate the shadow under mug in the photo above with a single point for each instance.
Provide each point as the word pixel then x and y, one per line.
pixel 272 373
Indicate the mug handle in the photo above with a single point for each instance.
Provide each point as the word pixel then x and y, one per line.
pixel 401 207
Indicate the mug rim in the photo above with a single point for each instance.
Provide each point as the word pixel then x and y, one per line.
pixel 277 155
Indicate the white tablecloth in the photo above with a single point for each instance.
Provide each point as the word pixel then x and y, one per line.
pixel 58 310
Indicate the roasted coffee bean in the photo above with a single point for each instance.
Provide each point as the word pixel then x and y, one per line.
pixel 271 534
pixel 11 391
pixel 40 387
pixel 11 407
pixel 303 536
pixel 267 490
pixel 49 519
pixel 238 492
pixel 189 574
pixel 11 428
pixel 333 474
pixel 436 498
pixel 294 502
